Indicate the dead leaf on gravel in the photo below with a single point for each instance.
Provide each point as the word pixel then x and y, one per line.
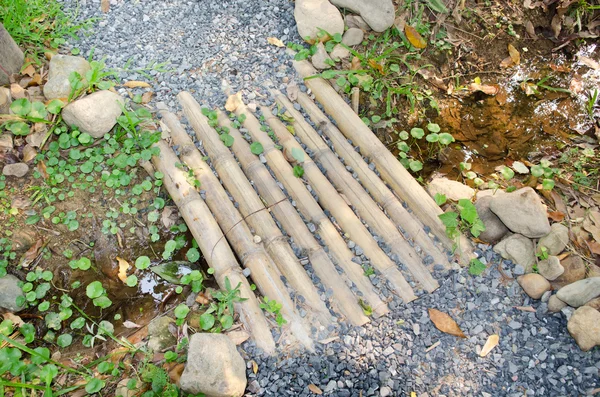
pixel 515 55
pixel 137 84
pixel 16 91
pixel 254 366
pixel 123 267
pixel 275 41
pixel 32 253
pixel 556 216
pixel 528 88
pixel 507 63
pixel 130 324
pixel 445 323
pixel 530 29
pixel 589 62
pixel 414 37
pixel 233 102
pixel 147 97
pixel 169 216
pixel 491 342
pixel 105 6
pixel 313 388
pixel 29 70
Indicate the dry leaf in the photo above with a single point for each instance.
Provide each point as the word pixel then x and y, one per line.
pixel 377 66
pixel 130 324
pixel 528 88
pixel 105 5
pixel 202 299
pixel 169 216
pixel 238 337
pixel 147 97
pixel 29 70
pixel 413 394
pixel 414 37
pixel 556 216
pixel 491 342
pixel 16 91
pixel 123 267
pixel 292 91
pixel 445 323
pixel 16 320
pixel 233 102
pixel 29 153
pixel 254 366
pixel 313 388
pixel 275 41
pixel 137 84
pixel 506 63
pixel 175 373
pixel 515 56
pixel 486 89
pixel 328 340
pixel 589 62
pixel 355 64
pixel 32 253
pixel 530 29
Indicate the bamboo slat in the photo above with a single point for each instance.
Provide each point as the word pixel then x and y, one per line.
pixel 251 208
pixel 399 179
pixel 213 245
pixel 376 187
pixel 366 207
pixel 341 211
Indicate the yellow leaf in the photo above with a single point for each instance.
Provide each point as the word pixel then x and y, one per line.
pixel 314 389
pixel 491 342
pixel 123 267
pixel 514 54
pixel 445 323
pixel 376 65
pixel 414 37
pixel 275 41
pixel 413 394
pixel 137 84
pixel 254 367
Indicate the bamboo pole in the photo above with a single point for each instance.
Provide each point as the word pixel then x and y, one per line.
pixel 365 206
pixel 252 255
pixel 376 187
pixel 253 212
pixel 331 200
pixel 213 245
pixel 399 179
pixel 287 215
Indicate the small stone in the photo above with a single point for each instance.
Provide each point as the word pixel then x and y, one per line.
pixel 5 100
pixel 339 52
pixel 594 303
pixel 17 169
pixel 522 212
pixel 214 367
pixel 580 292
pixel 10 292
pixel 320 58
pixel 556 241
pixel 160 336
pixel 61 67
pixel 453 190
pixel 584 327
pixel 534 285
pixel 257 239
pixel 518 249
pixel 95 114
pixel 495 230
pixel 355 21
pixel 385 391
pixel 353 36
pixel 246 272
pixel 551 268
pixel 546 296
pixel 575 270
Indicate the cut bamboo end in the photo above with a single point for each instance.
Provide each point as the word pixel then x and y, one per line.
pixel 253 256
pixel 376 187
pixel 365 206
pixel 400 180
pixel 213 245
pixel 311 210
pixel 252 210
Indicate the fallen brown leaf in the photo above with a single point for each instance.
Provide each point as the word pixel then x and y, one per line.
pixel 136 84
pixel 556 216
pixel 491 342
pixel 147 97
pixel 445 323
pixel 292 91
pixel 16 91
pixel 130 324
pixel 373 63
pixel 589 62
pixel 29 70
pixel 275 41
pixel 105 6
pixel 525 309
pixel 254 366
pixel 123 267
pixel 313 388
pixel 414 37
pixel 515 55
pixel 486 89
pixel 32 253
pixel 175 372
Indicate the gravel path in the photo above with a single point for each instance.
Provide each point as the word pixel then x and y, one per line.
pixel 207 42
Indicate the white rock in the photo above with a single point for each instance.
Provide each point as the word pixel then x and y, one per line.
pixel 580 292
pixel 379 14
pixel 5 100
pixel 556 241
pixel 214 367
pixel 18 169
pixel 353 36
pixel 61 67
pixel 312 15
pixel 95 114
pixel 522 212
pixel 453 190
pixel 551 268
pixel 9 292
pixel 518 249
pixel 320 57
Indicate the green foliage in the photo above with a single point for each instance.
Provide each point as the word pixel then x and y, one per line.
pixel 476 267
pixel 271 306
pixel 466 219
pixel 410 145
pixel 219 315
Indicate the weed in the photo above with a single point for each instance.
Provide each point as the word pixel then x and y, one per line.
pixel 591 103
pixel 476 267
pixel 271 306
pixel 222 309
pixel 466 219
pixel 434 141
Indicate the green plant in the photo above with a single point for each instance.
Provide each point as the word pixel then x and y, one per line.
pixel 542 253
pixel 368 270
pixel 476 267
pixel 273 307
pixel 466 219
pixel 222 309
pixel 434 141
pixel 94 79
pixel 590 105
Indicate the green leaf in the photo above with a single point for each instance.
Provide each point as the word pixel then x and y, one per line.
pixel 78 323
pixel 548 184
pixel 394 68
pixel 207 321
pixel 298 154
pixel 102 302
pixel 64 340
pixel 131 280
pixel 18 128
pixel 449 219
pixel 329 74
pixel 403 135
pixel 227 140
pixel 192 255
pixel 226 321
pixel 55 106
pixel 468 212
pixel 94 385
pixel 181 311
pixel 403 146
pixel 142 262
pixel 432 138
pixel 437 6
pixel 440 199
pixel 33 219
pixel 28 332
pixel 507 173
pixel 476 267
pixel 341 81
pixel 84 138
pixel 38 110
pixel 446 138
pixel 417 133
pixel 477 227
pixel 537 170
pixel 433 127
pixel 256 148
pixel 21 107
pixel 298 171
pixel 337 37
pixel 94 289
pixel 415 165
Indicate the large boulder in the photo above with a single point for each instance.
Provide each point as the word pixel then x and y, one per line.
pixel 518 249
pixel 534 285
pixel 214 367
pixel 378 14
pixel 556 241
pixel 453 190
pixel 61 67
pixel 95 114
pixel 11 56
pixel 580 292
pixel 312 15
pixel 522 212
pixel 494 228
pixel 584 327
pixel 10 293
